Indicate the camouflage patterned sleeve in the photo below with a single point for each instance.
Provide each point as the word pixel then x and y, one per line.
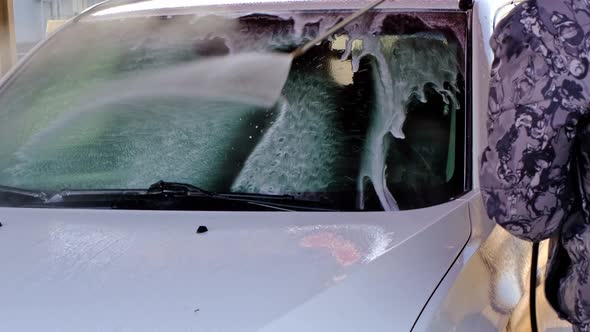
pixel 537 95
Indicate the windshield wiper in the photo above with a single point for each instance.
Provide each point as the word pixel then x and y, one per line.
pixel 15 197
pixel 275 202
pixel 181 196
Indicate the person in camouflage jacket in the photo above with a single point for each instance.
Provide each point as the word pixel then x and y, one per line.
pixel 535 171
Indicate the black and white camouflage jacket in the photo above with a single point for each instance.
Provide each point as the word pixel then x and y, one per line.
pixel 535 171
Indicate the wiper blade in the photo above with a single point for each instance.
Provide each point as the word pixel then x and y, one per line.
pixel 173 195
pixel 277 202
pixel 159 188
pixel 22 192
pixel 10 196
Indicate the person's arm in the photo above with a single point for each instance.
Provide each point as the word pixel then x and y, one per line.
pixel 535 101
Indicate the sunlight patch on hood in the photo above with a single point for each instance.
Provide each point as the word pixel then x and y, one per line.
pixel 347 243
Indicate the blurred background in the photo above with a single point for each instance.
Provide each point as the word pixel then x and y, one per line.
pixel 33 19
pixel 23 23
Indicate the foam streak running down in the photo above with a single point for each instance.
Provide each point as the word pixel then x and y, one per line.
pixel 403 67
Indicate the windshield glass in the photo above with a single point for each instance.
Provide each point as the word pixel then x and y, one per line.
pixel 372 119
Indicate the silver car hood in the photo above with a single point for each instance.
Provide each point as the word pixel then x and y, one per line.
pixel 76 270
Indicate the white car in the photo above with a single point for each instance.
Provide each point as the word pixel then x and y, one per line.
pixel 128 203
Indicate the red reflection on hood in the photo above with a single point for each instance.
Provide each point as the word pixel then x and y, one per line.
pixel 345 251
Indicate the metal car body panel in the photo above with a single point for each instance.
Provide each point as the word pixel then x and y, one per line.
pixel 149 271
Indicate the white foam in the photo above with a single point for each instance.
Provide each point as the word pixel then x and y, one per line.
pixel 402 69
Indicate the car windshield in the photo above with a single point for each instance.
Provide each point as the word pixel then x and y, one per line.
pixel 372 119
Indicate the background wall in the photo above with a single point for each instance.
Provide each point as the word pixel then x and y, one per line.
pixel 31 18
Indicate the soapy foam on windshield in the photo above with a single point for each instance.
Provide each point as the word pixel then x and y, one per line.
pixel 396 79
pixel 301 152
pixel 402 69
pixel 224 78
